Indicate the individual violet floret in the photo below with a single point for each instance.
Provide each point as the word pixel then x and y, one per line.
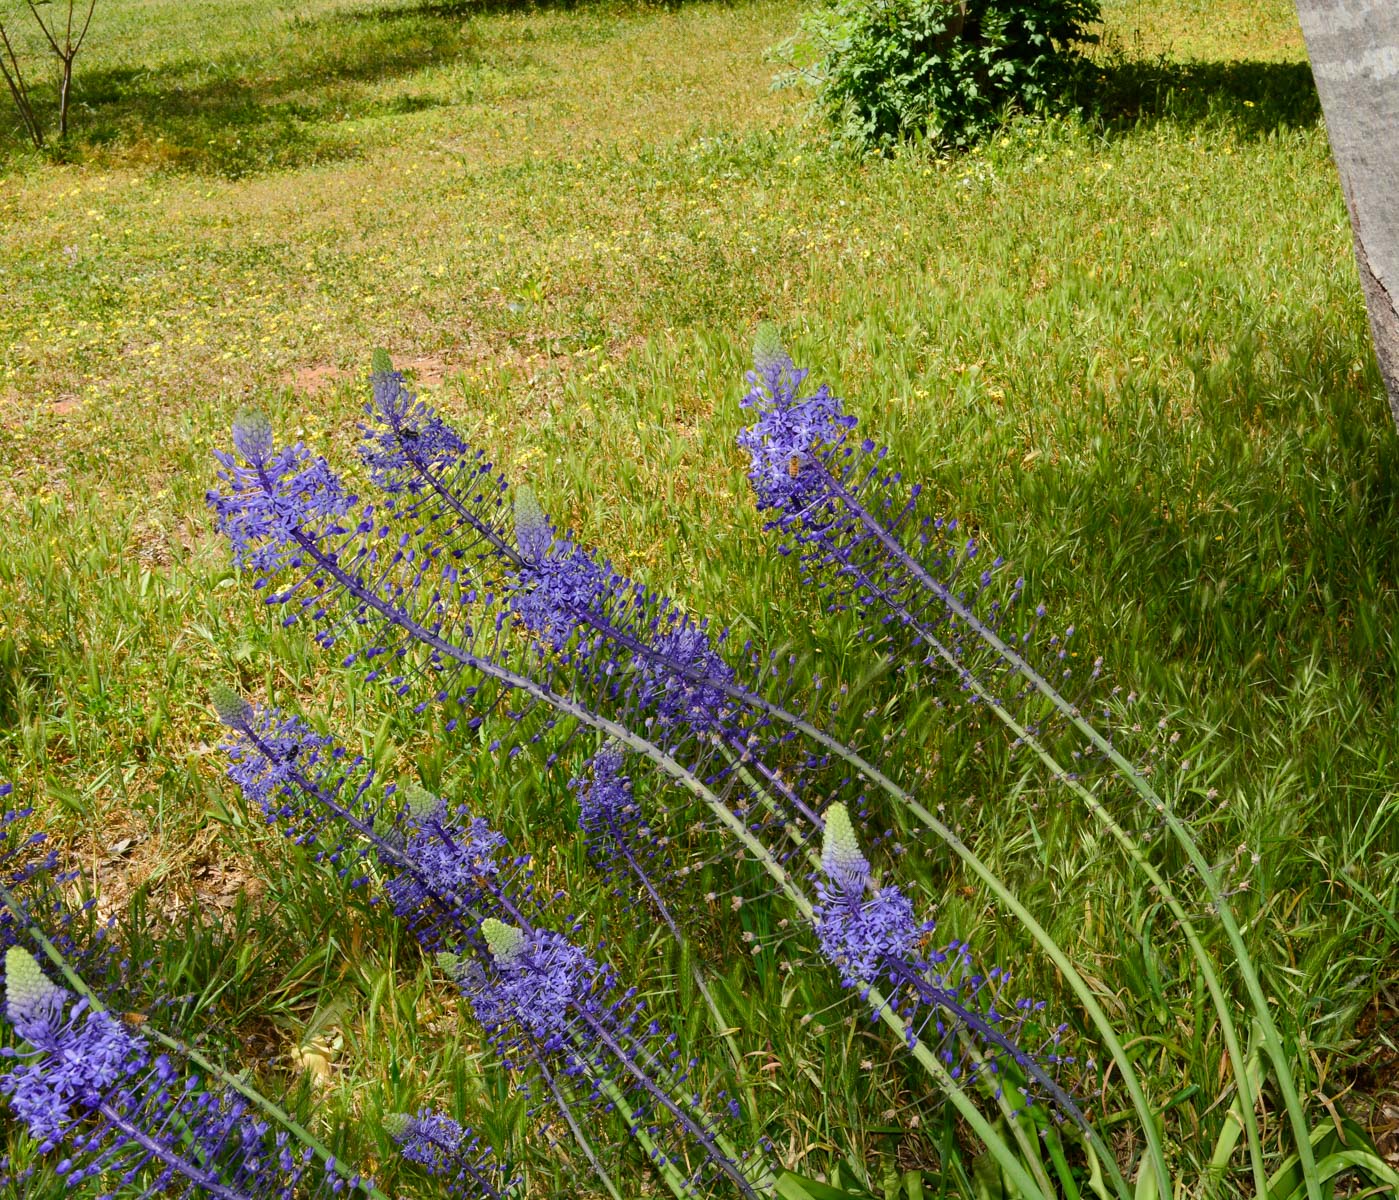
pixel 451 1153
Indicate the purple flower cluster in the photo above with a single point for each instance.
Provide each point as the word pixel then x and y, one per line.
pixel 607 810
pixel 628 847
pixel 873 937
pixel 128 1117
pixel 539 994
pixel 275 495
pixel 272 750
pixel 866 538
pixel 686 680
pixel 450 1153
pixel 81 1053
pixel 453 854
pixel 860 933
pixel 541 982
pixel 557 580
pixel 543 1000
pixel 407 441
pixel 792 436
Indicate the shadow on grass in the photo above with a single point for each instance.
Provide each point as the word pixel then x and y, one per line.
pixel 1284 545
pixel 279 108
pixel 1255 99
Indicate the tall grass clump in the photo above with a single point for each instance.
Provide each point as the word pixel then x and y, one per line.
pixel 697 761
pixel 938 72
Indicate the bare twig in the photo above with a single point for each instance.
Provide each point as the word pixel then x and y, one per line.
pixel 19 90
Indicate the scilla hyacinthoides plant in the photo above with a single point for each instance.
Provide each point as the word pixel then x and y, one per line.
pixel 586 612
pixel 133 1118
pixel 443 590
pixel 869 540
pixel 411 582
pixel 869 931
pixel 543 1001
pixel 451 1153
pixel 125 1109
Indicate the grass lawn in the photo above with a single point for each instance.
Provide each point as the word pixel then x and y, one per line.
pixel 1129 349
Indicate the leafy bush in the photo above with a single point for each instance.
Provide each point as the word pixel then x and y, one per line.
pixel 942 70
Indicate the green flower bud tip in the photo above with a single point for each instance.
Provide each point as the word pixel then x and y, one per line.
pixel 528 510
pixel 505 941
pixel 396 1124
pixel 532 532
pixel 253 422
pixel 840 849
pixel 233 710
pixel 767 345
pixel 451 963
pixel 252 435
pixel 27 988
pixel 421 802
pixel 380 363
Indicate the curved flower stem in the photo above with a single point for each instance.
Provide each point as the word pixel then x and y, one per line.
pixel 693 1127
pixel 578 1135
pixel 674 1180
pixel 687 779
pixel 683 942
pixel 758 703
pixel 1010 656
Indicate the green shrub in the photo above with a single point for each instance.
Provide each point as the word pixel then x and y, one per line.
pixel 942 71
